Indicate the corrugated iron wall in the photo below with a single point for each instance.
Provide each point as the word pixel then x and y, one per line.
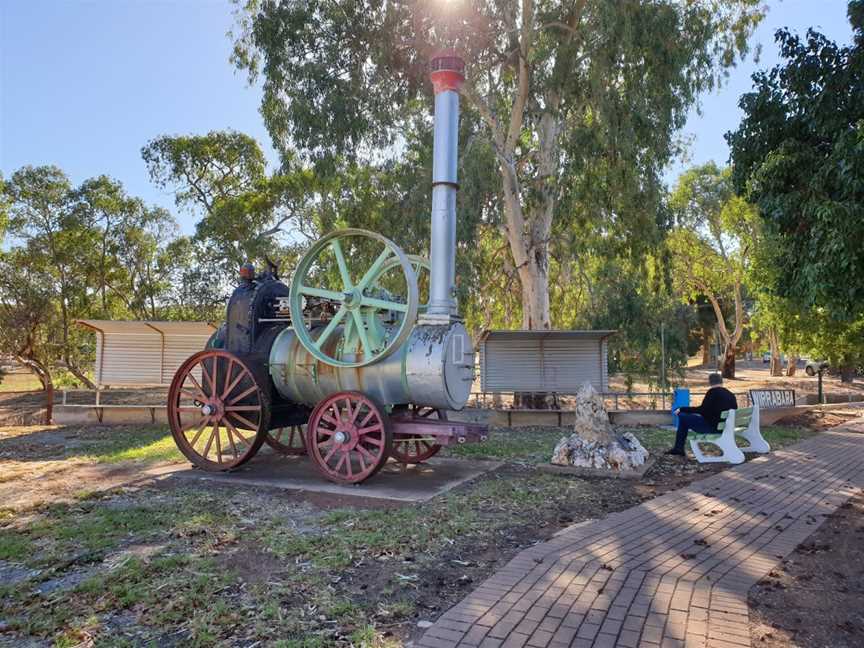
pixel 177 349
pixel 532 364
pixel 137 359
pixel 131 359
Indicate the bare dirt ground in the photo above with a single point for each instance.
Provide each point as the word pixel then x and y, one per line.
pixel 815 599
pixel 749 375
pixel 752 375
pixel 756 375
pixel 826 417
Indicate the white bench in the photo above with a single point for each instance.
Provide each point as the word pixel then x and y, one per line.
pixel 742 423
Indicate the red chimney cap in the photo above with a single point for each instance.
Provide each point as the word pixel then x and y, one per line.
pixel 447 70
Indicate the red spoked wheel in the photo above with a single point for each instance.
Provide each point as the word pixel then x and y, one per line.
pixel 217 411
pixel 289 440
pixel 348 437
pixel 417 448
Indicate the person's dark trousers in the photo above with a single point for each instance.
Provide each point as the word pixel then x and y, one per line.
pixel 687 422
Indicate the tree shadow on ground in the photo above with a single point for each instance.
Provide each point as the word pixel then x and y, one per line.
pixel 102 443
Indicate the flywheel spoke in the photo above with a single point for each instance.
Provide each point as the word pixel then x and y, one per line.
pixel 364 336
pixel 340 261
pixel 322 292
pixel 383 304
pixel 331 326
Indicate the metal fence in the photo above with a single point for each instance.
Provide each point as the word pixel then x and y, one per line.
pixel 615 401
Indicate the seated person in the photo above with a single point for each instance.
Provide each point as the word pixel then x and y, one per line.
pixel 705 418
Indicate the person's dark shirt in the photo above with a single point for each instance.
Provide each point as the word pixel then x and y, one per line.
pixel 716 401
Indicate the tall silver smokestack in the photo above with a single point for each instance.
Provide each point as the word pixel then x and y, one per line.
pixel 447 74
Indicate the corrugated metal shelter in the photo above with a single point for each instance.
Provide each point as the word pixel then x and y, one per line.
pixel 543 361
pixel 139 353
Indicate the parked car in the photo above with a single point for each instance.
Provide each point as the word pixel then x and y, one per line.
pixel 766 357
pixel 813 366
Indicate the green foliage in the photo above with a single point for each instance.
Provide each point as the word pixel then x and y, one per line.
pixel 244 212
pixel 715 233
pixel 76 252
pixel 377 54
pixel 4 208
pixel 799 155
pixel 206 168
pixel 711 247
pixel 839 341
pixel 575 106
pixel 28 313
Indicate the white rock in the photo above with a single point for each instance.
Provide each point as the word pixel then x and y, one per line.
pixel 594 442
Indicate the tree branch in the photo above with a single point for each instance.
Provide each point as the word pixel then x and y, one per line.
pixel 471 93
pixel 517 114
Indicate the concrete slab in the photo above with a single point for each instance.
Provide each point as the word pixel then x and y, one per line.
pixel 412 484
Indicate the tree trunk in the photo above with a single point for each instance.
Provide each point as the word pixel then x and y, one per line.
pixel 792 365
pixel 80 375
pixel 728 367
pixel 44 376
pixel 706 347
pixel 534 278
pixel 776 362
pixel 730 340
pixel 847 373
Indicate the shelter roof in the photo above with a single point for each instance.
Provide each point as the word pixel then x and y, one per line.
pixel 139 327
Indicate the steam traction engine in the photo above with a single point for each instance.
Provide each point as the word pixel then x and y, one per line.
pixel 348 351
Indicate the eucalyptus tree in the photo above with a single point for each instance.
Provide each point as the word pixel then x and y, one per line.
pixel 29 318
pixel 579 100
pixel 712 247
pixel 129 237
pixel 58 245
pixel 245 214
pixel 4 208
pixel 88 251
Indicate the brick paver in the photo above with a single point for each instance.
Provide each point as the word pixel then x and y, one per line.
pixel 674 571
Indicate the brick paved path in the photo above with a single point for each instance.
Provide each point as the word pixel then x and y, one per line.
pixel 673 571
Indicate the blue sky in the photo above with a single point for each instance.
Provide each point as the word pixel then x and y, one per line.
pixel 84 85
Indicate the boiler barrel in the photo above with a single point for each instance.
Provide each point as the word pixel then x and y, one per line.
pixel 434 367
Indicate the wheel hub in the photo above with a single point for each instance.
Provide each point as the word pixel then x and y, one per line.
pixel 213 408
pixel 353 298
pixel 340 437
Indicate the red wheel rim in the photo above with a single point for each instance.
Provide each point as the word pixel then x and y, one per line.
pixel 216 410
pixel 348 437
pixel 416 448
pixel 288 440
